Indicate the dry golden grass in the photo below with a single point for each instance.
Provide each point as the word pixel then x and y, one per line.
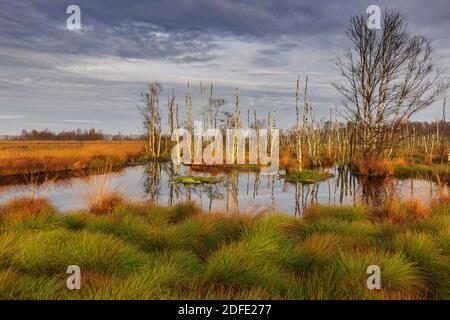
pixel 402 212
pixel 401 167
pixel 24 157
pixel 28 208
pixel 98 194
pixel 374 167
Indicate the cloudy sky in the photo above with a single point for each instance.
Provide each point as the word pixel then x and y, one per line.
pixel 51 77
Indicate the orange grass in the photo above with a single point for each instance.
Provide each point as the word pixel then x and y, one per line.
pixel 402 212
pixel 25 208
pixel 24 157
pixel 98 194
pixel 373 167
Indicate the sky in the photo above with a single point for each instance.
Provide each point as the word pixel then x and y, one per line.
pixel 55 78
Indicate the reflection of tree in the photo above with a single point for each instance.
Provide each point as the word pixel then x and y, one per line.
pixel 256 185
pixel 309 194
pixel 152 181
pixel 376 191
pixel 342 184
pixel 346 187
pixel 273 193
pixel 297 198
pixel 213 193
pixel 346 184
pixel 235 190
pixel 248 182
pixel 169 171
pixel 232 187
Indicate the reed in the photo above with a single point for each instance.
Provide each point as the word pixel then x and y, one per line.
pixel 98 193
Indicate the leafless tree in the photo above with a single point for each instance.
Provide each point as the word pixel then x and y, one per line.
pixel 212 108
pixel 389 76
pixel 152 119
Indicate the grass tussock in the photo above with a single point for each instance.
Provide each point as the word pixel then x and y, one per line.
pixel 400 167
pixel 105 203
pixel 99 195
pixel 306 176
pixel 373 167
pixel 196 180
pixel 142 251
pixel 29 211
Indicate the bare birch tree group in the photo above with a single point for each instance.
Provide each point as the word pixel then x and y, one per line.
pixel 389 76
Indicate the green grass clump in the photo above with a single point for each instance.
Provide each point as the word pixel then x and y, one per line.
pixel 359 232
pixel 313 254
pixel 181 211
pixel 196 180
pixel 247 263
pixel 9 242
pixel 432 261
pixel 28 211
pixel 425 171
pixel 142 251
pixel 442 209
pixel 412 170
pixel 203 234
pixel 165 272
pixel 8 277
pixel 38 287
pixel 346 213
pixel 42 252
pixel 47 252
pixel 306 176
pixel 103 252
pixel 350 270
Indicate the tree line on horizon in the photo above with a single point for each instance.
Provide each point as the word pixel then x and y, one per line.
pixel 69 135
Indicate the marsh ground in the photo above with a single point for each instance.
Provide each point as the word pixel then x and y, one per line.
pixel 140 251
pixel 26 157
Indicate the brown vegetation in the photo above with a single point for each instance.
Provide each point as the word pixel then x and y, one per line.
pixel 19 157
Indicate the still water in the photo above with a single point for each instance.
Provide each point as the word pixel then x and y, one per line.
pixel 238 192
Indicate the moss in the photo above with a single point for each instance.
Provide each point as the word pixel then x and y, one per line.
pixel 196 180
pixel 227 167
pixel 306 176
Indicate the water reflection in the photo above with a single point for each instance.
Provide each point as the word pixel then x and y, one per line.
pixel 239 192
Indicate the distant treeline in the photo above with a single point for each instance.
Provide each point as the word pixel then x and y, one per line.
pixel 426 127
pixel 46 134
pixel 78 134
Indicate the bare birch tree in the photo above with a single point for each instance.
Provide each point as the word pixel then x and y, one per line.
pixel 152 119
pixel 389 77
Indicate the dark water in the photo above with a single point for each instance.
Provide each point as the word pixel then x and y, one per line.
pixel 239 192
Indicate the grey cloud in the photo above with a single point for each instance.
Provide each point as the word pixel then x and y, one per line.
pixel 40 80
